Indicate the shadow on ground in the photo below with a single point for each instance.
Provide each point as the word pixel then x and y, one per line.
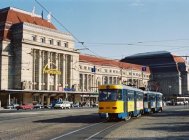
pixel 92 118
pixel 186 137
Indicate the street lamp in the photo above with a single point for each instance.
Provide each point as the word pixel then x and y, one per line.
pixel 170 89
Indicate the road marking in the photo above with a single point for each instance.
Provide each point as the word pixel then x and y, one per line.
pixel 101 131
pixel 75 131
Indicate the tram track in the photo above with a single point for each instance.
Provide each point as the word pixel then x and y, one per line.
pixel 94 131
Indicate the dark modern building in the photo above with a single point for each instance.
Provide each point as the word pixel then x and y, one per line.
pixel 169 73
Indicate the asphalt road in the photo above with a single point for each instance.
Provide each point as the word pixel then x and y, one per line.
pixel 84 123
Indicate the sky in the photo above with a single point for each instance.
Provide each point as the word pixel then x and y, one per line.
pixel 118 28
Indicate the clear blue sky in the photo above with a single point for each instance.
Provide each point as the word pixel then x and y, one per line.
pixel 125 26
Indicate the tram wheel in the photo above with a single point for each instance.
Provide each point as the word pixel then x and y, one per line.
pixel 128 118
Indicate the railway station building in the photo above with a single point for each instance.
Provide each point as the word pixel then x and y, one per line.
pixel 39 63
pixel 169 73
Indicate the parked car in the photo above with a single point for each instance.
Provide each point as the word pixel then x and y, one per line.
pixel 38 106
pixel 95 104
pixel 63 104
pixel 75 105
pixel 25 106
pixel 12 106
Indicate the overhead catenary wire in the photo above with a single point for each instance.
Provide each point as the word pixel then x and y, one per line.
pixel 137 43
pixel 59 22
pixel 134 43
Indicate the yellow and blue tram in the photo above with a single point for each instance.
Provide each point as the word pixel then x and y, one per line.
pixel 120 101
pixel 123 102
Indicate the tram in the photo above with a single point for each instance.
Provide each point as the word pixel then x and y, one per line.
pixel 152 102
pixel 120 101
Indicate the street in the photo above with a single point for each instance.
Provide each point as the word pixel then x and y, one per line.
pixel 84 123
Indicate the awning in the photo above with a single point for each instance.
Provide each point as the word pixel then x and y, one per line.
pixel 12 91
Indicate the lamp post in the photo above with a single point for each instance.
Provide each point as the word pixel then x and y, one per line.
pixel 170 89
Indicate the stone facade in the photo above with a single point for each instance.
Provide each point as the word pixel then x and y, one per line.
pixel 114 72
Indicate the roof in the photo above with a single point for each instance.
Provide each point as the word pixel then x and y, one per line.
pixel 159 61
pixel 12 16
pixel 149 53
pixel 178 59
pixel 160 54
pixel 109 62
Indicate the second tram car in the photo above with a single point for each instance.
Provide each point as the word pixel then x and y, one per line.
pixel 152 101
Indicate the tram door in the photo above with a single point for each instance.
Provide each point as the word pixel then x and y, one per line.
pixel 125 100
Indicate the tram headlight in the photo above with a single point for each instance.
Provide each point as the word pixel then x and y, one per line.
pixel 114 107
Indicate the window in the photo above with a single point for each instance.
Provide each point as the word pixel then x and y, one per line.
pixel 110 95
pixel 130 96
pixel 51 41
pixel 58 43
pixel 66 44
pixel 34 37
pixel 42 39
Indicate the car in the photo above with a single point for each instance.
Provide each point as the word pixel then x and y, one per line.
pixel 38 106
pixel 95 105
pixel 63 105
pixel 25 106
pixel 12 106
pixel 75 105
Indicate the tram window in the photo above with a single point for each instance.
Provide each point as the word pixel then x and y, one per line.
pixel 139 96
pixel 102 96
pixel 110 95
pixel 159 98
pixel 130 96
pixel 119 95
pixel 145 97
pixel 152 97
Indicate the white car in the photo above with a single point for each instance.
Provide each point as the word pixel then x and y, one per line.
pixel 63 104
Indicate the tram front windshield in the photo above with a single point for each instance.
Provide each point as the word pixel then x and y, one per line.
pixel 110 95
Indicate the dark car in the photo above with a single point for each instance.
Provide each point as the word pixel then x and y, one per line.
pixel 75 105
pixel 24 106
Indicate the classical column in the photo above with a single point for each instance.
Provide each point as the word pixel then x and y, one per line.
pixel 180 83
pixel 48 62
pixel 83 82
pixel 64 70
pixel 92 79
pixel 40 69
pixel 9 99
pixel 87 88
pixel 71 71
pixel 33 79
pixel 56 75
